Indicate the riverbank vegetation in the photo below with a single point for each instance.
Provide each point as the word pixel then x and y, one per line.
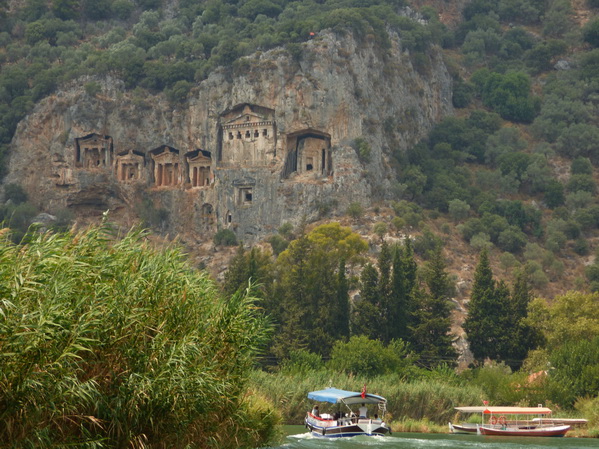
pixel 107 342
pixel 395 336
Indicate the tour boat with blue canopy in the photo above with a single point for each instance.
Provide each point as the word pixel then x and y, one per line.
pixel 346 413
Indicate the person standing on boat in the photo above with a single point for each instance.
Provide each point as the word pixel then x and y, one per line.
pixel 363 411
pixel 315 411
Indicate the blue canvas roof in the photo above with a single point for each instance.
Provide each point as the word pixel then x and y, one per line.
pixel 334 395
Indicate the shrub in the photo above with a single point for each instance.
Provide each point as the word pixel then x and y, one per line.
pixel 369 357
pixel 355 210
pixel 458 209
pixel 15 194
pixel 225 237
pixel 92 88
pixel 278 244
pixel 581 166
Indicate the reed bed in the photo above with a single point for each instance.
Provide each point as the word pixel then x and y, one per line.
pixel 109 343
pixel 425 400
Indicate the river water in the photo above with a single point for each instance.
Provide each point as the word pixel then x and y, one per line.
pixel 297 438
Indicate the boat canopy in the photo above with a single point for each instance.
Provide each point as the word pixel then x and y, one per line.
pixel 506 410
pixel 335 396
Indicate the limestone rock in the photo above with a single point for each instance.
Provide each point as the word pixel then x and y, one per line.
pixel 255 146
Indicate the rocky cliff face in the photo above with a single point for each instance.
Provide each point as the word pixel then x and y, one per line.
pixel 264 143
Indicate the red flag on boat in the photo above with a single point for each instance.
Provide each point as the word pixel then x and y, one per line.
pixel 363 391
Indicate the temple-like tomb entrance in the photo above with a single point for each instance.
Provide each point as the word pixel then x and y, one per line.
pixel 93 151
pixel 308 150
pixel 167 166
pixel 199 162
pixel 247 135
pixel 129 166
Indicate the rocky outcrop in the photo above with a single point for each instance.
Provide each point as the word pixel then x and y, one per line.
pixel 255 146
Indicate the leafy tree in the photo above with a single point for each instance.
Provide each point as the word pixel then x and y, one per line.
pixel 581 166
pixel 590 32
pixel 581 182
pixel 557 19
pixel 65 9
pixel 507 94
pixel 255 267
pixel 458 209
pixel 311 289
pixel 554 194
pixel 512 240
pixel 96 9
pixel 15 193
pixel 369 357
pixel 579 140
pixel 575 371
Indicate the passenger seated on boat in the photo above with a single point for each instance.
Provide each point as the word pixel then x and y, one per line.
pixel 315 411
pixel 363 411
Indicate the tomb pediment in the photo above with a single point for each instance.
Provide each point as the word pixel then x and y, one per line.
pixel 130 156
pixel 199 156
pixel 165 154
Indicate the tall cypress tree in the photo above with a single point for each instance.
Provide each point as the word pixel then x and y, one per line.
pixel 397 317
pixel 525 337
pixel 341 312
pixel 412 294
pixel 384 291
pixel 365 314
pixel 480 322
pixel 432 330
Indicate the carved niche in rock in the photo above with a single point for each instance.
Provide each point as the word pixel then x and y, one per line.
pixel 166 166
pixel 130 166
pixel 244 191
pixel 247 135
pixel 199 162
pixel 93 151
pixel 308 151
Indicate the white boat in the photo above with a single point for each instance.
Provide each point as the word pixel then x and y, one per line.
pixel 346 420
pixel 511 421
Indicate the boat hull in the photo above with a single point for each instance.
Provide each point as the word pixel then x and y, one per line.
pixel 555 431
pixel 463 428
pixel 333 430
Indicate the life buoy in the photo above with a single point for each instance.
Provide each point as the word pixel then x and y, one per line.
pixel 502 420
pixel 493 420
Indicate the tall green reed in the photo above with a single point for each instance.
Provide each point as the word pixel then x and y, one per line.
pixel 110 343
